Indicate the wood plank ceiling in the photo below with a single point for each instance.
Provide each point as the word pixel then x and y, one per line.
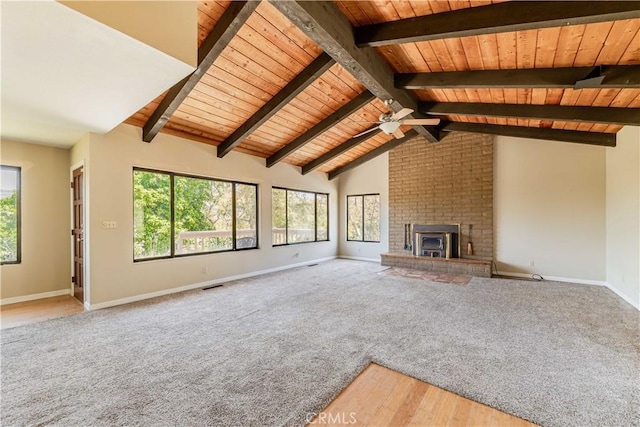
pixel 268 51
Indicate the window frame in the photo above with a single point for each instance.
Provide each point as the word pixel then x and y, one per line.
pixel 286 216
pixel 362 196
pixel 172 175
pixel 18 259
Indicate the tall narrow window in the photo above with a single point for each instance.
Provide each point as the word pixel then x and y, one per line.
pixel 151 214
pixel 279 216
pixel 371 217
pixel 177 215
pixel 322 217
pixel 246 216
pixel 363 217
pixel 354 218
pixel 10 215
pixel 299 216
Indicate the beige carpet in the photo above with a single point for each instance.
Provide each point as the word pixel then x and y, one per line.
pixel 270 350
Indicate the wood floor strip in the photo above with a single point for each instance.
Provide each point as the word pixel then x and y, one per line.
pixel 382 397
pixel 23 313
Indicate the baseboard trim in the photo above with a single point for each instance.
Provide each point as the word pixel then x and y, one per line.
pixel 554 278
pixel 193 286
pixel 33 297
pixel 623 296
pixel 357 258
pixel 579 281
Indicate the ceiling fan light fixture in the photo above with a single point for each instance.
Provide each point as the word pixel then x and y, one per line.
pixel 389 127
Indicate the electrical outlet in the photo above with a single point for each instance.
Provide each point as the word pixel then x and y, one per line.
pixel 109 224
pixel 531 263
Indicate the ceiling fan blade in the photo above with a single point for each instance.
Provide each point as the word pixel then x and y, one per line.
pixel 424 122
pixel 400 114
pixel 398 133
pixel 366 132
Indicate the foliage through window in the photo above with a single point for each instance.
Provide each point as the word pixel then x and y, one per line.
pixel 176 215
pixel 9 215
pixel 299 216
pixel 363 218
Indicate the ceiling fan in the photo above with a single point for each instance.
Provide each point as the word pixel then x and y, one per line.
pixel 389 122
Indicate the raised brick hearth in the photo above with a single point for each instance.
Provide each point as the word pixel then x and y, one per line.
pixel 467 267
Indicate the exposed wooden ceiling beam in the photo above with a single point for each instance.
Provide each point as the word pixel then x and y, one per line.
pixel 568 113
pixel 496 18
pixel 323 23
pixel 373 154
pixel 336 151
pixel 226 28
pixel 334 118
pixel 310 74
pixel 615 76
pixel 581 137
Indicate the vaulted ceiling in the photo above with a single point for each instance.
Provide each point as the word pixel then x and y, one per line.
pixel 295 81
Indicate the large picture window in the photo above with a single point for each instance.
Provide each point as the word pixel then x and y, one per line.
pixel 363 217
pixel 9 215
pixel 178 215
pixel 299 216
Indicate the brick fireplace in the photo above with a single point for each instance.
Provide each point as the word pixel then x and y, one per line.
pixel 449 182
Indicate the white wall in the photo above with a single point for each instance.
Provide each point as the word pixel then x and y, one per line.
pixel 168 25
pixel 549 208
pixel 45 203
pixel 623 215
pixel 370 177
pixel 115 276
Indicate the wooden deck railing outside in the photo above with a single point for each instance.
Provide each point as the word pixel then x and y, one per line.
pixel 189 242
